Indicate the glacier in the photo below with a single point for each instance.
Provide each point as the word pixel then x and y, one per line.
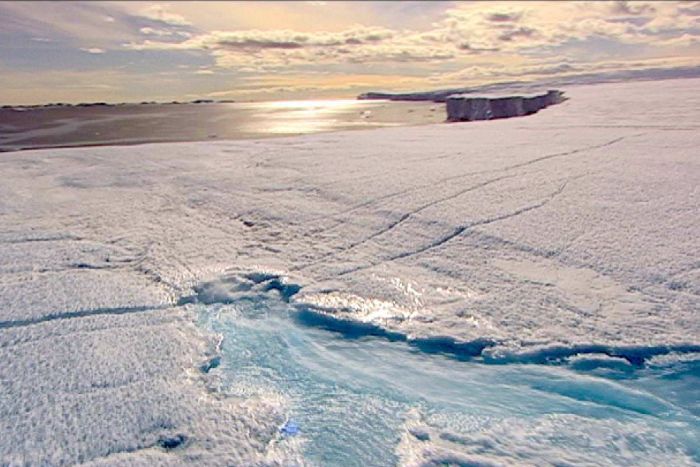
pixel 518 291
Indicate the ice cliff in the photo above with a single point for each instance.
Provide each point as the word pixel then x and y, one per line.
pixel 467 107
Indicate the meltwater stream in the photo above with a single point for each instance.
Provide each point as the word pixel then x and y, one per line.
pixel 365 400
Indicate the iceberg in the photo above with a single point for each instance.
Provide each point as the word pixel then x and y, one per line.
pixel 469 107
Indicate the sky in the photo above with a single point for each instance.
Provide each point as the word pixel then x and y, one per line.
pixel 134 51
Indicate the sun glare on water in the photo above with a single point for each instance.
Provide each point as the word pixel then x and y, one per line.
pixel 306 116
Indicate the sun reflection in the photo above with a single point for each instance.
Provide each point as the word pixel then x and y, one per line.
pixel 307 116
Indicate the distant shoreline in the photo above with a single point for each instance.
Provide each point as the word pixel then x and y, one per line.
pixel 436 95
pixel 54 105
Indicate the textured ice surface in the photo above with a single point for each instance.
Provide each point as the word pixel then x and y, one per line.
pixel 570 236
pixel 356 391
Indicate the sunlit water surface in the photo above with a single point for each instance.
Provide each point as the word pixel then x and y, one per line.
pixel 130 124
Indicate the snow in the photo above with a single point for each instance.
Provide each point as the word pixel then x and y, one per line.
pixel 573 231
pixel 517 442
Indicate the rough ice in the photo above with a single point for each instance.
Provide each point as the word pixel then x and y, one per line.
pixel 573 232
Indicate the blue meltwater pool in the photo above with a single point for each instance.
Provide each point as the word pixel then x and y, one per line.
pixel 358 396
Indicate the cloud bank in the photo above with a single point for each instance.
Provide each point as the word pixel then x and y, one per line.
pixel 218 47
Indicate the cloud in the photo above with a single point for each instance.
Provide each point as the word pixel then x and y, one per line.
pixel 418 44
pixel 632 8
pixel 77 23
pixel 285 47
pixel 513 27
pixel 155 32
pixel 690 9
pixel 93 50
pixel 465 46
pixel 499 34
pixel 287 39
pixel 498 17
pixel 515 33
pixel 87 86
pixel 479 74
pixel 685 40
pixel 160 13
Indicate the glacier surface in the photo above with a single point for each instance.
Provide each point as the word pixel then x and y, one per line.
pixel 519 291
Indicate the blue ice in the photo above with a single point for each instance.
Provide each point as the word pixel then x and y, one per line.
pixel 350 389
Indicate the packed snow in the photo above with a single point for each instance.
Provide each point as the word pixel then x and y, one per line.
pixel 541 252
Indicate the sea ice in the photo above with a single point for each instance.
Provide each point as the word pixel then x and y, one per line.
pixel 567 237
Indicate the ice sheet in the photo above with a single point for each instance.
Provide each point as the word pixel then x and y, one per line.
pixel 573 231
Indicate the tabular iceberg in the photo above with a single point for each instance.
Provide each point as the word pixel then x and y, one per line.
pixel 470 107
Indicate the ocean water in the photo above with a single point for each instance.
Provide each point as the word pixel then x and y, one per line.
pixel 360 397
pixel 34 128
